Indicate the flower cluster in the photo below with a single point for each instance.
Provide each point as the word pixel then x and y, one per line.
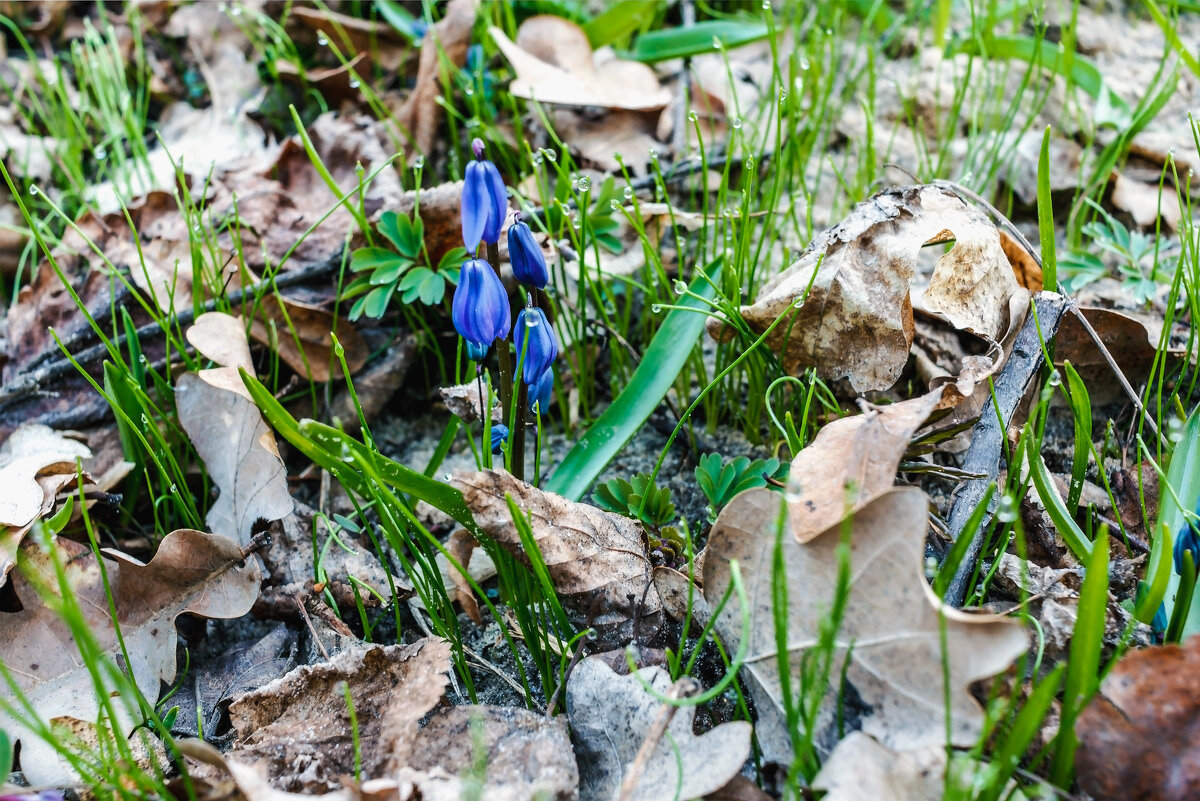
pixel 480 309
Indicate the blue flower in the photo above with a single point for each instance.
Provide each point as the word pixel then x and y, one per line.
pixel 480 310
pixel 528 263
pixel 542 349
pixel 499 436
pixel 484 201
pixel 542 393
pixel 1186 540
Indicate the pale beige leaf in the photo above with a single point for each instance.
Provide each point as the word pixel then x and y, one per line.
pixel 299 725
pixel 221 338
pixel 860 768
pixel 302 334
pixel 194 572
pixel 554 64
pixel 596 559
pixel 28 452
pixel 851 462
pixel 856 278
pixel 892 619
pixel 611 716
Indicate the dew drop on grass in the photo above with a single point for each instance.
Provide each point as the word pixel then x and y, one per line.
pixel 174 489
pixel 338 350
pixel 693 116
pixel 680 286
pixel 322 40
pixel 531 321
pixel 1175 430
pixel 736 122
pixel 1055 379
pixel 656 309
pixel 584 184
pixel 716 43
pixel 354 83
pixel 628 193
pixel 236 11
pixel 551 156
pixel 33 190
pixel 805 65
pixel 446 476
pixel 931 567
pixel 1006 511
pixel 468 91
pixel 100 154
pixel 418 163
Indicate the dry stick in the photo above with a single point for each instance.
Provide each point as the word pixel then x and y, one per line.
pixel 683 688
pixel 31 381
pixel 988 437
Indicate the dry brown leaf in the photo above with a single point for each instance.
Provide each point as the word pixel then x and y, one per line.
pixel 229 433
pixel 555 64
pixel 528 755
pixel 194 572
pixel 375 39
pixel 1131 340
pixel 857 321
pixel 1139 738
pixel 465 402
pixel 851 462
pixel 299 724
pixel 446 42
pixel 860 768
pixel 892 619
pixel 598 138
pixel 596 560
pixel 302 336
pixel 611 716
pixel 29 452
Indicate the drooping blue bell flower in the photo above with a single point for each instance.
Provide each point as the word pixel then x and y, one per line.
pixel 528 263
pixel 480 309
pixel 484 201
pixel 1186 540
pixel 499 436
pixel 542 349
pixel 542 393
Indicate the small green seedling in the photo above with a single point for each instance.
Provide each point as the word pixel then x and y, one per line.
pixel 721 481
pixel 383 272
pixel 640 499
pixel 1143 260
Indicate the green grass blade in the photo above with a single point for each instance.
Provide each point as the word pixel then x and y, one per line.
pixel 697 39
pixel 618 20
pixel 1183 478
pixel 1045 210
pixel 1158 576
pixel 1025 727
pixel 1168 29
pixel 1081 409
pixel 1076 540
pixel 1083 663
pixel 958 550
pixel 661 363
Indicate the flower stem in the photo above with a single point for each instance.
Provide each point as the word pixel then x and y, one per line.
pixel 503 354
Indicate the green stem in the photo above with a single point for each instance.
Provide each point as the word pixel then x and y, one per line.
pixel 503 355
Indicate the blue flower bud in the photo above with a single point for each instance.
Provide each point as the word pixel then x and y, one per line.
pixel 476 353
pixel 499 436
pixel 1186 540
pixel 542 393
pixel 542 349
pixel 484 202
pixel 528 263
pixel 480 309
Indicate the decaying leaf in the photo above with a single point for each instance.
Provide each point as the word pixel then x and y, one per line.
pixel 228 431
pixel 555 64
pixel 446 42
pixel 301 334
pixel 1131 339
pixel 891 624
pixel 851 462
pixel 1140 737
pixel 464 401
pixel 299 724
pixel 29 452
pixel 856 321
pixel 611 717
pixel 596 560
pixel 860 768
pixel 195 572
pixel 528 755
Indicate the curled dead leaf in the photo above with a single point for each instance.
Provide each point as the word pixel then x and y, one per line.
pixel 596 560
pixel 892 620
pixel 195 572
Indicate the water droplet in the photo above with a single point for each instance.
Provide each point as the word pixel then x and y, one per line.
pixel 653 154
pixel 583 184
pixel 736 122
pixel 805 65
pixel 766 5
pixel 338 350
pixel 749 162
pixel 142 358
pixel 537 159
pixel 1055 379
pixel 693 116
pixel 354 83
pixel 931 567
pixel 614 204
pixel 551 156
pixel 468 91
pixel 680 286
pixel 628 193
pixel 418 163
pixel 716 43
pixel 656 309
pixel 100 154
pixel 174 489
pixel 446 476
pixel 1175 429
pixel 145 421
pixel 1006 510
pixel 236 11
pixel 33 190
pixel 322 40
pixel 799 302
pixel 532 321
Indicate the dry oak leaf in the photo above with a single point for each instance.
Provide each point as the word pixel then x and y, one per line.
pixel 194 572
pixel 612 715
pixel 299 724
pixel 852 461
pixel 890 626
pixel 857 319
pixel 596 560
pixel 555 64
pixel 527 754
pixel 228 431
pixel 860 768
pixel 1139 738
